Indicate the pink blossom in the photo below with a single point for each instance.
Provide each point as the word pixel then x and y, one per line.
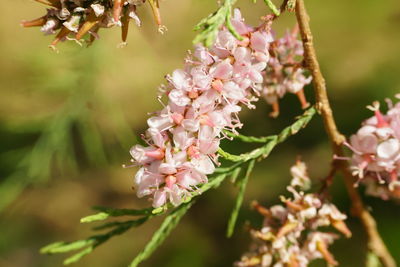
pixel 285 73
pixel 376 152
pixel 203 99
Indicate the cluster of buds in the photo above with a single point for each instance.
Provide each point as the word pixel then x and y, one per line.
pixel 291 234
pixel 204 99
pixel 74 19
pixel 376 152
pixel 285 72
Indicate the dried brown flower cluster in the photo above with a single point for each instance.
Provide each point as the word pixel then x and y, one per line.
pixel 75 19
pixel 291 233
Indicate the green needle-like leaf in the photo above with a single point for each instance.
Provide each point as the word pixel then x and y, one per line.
pixel 111 212
pixel 239 200
pixel 170 222
pixel 248 139
pixel 131 223
pixel 273 8
pixel 95 217
pixel 235 174
pixel 62 247
pixel 76 257
pixel 273 140
pixel 89 244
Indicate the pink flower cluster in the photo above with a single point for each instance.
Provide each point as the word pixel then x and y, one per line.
pixel 285 72
pixel 376 152
pixel 73 19
pixel 291 234
pixel 204 98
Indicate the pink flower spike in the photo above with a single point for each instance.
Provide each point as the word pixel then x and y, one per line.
pixel 376 152
pixel 204 98
pixel 285 72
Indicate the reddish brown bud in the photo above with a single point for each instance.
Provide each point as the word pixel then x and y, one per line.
pixel 125 26
pixel 342 227
pixel 91 21
pixel 261 209
pixel 61 34
pixel 275 110
pixel 53 3
pixel 286 228
pixel 322 247
pixel 302 99
pixel 34 23
pixel 155 6
pixel 117 9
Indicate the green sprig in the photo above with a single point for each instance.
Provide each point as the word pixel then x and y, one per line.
pixel 239 200
pixel 272 141
pixel 271 6
pixel 89 244
pixel 111 212
pixel 210 25
pixel 170 222
pixel 248 139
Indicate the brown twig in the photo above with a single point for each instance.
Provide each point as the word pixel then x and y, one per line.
pixel 327 181
pixel 375 242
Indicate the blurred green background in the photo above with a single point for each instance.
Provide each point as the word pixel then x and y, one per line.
pixel 67 122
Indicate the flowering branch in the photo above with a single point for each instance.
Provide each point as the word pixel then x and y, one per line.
pixel 375 244
pixel 86 246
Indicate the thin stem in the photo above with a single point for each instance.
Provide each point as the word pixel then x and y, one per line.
pixel 375 244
